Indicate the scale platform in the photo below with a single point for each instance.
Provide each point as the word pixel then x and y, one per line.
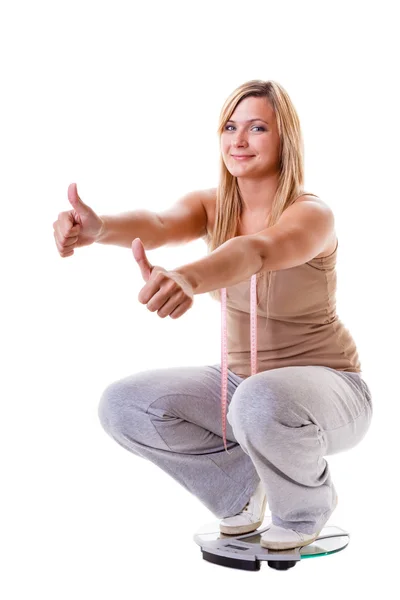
pixel 245 552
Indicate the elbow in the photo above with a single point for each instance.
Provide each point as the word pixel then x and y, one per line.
pixel 256 249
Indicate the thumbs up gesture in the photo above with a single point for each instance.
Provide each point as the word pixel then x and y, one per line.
pixel 77 227
pixel 167 292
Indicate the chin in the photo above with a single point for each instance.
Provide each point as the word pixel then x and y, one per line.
pixel 239 170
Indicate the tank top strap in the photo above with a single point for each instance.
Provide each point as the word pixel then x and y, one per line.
pixel 306 194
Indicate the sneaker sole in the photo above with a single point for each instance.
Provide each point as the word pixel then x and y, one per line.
pixel 248 528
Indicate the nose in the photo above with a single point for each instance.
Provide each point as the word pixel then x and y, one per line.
pixel 239 141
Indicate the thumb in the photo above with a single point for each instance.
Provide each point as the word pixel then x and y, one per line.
pixel 76 202
pixel 141 258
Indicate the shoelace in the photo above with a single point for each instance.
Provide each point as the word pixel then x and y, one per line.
pixel 224 351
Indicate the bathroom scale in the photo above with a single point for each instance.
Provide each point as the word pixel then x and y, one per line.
pixel 245 552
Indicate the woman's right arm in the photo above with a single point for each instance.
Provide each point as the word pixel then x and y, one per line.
pixel 184 222
pixel 122 229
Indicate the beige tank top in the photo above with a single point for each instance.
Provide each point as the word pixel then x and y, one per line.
pixel 302 326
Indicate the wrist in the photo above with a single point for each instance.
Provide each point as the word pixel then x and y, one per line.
pixel 101 233
pixel 191 277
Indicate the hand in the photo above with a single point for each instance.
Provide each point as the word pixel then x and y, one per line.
pixel 78 227
pixel 167 292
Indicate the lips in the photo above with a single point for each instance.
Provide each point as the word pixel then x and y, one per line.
pixel 241 157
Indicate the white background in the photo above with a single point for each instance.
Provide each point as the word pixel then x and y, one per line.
pixel 123 99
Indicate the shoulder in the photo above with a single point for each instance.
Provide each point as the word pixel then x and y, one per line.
pixel 331 241
pixel 313 198
pixel 317 203
pixel 211 194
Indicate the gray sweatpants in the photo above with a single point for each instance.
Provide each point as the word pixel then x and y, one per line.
pixel 280 425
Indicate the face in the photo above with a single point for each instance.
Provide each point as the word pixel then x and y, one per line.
pixel 258 139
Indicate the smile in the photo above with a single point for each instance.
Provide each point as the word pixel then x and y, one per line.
pixel 241 157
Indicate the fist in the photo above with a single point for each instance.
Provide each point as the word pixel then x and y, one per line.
pixel 167 292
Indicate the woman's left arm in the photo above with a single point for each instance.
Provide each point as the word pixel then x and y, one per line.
pixel 301 233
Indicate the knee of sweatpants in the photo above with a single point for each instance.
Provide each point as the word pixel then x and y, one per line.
pixel 253 410
pixel 237 417
pixel 116 407
pixel 107 408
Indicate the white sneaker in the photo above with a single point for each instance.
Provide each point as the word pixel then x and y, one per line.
pixel 249 518
pixel 278 538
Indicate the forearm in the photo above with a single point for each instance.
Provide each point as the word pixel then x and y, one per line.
pixel 122 229
pixel 234 261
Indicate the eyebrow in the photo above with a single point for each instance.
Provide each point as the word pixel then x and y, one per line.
pixel 249 121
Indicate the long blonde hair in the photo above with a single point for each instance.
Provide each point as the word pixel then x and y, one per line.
pixel 229 204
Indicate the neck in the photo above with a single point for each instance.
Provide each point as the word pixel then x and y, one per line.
pixel 258 195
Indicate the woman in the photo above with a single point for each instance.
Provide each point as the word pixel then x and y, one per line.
pixel 274 243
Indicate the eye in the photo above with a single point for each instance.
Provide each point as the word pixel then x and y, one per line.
pixel 255 126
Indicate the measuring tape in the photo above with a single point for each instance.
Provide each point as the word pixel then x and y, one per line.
pixel 224 350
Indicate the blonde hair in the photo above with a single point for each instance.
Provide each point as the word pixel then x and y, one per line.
pixel 229 204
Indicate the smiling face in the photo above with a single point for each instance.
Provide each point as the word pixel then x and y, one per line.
pixel 251 133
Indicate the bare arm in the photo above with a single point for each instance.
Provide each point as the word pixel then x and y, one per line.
pixel 232 262
pixel 185 221
pixel 300 234
pixel 123 228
